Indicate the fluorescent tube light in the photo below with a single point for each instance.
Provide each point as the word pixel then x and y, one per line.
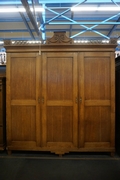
pixel 38 9
pixel 95 8
pixel 19 9
pixel 1 42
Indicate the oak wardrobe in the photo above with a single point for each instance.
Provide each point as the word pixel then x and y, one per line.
pixel 61 96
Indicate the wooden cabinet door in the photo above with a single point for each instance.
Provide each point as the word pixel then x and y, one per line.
pixel 23 91
pixel 2 113
pixel 96 94
pixel 59 101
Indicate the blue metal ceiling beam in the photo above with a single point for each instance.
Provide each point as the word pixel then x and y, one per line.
pixel 60 14
pixel 94 27
pixel 70 33
pixel 90 28
pixel 27 25
pixel 114 27
pixel 30 15
pixel 65 17
pixel 43 30
pixel 75 1
pixel 85 22
pixel 15 30
pixel 92 31
pixel 41 18
pixel 16 19
pixel 53 29
pixel 81 24
pixel 53 1
pixel 115 3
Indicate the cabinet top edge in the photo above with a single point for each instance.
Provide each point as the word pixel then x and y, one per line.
pixel 75 48
pixel 112 42
pixel 61 41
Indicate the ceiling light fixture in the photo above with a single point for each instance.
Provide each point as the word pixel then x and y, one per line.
pixel 1 42
pixel 19 9
pixel 83 8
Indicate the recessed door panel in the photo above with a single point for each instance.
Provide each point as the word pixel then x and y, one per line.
pixel 23 72
pixel 59 91
pixel 96 110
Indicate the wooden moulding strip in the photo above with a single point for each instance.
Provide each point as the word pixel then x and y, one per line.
pixel 59 103
pixel 97 144
pixel 97 103
pixel 23 102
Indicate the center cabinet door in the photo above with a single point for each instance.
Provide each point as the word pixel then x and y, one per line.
pixel 59 101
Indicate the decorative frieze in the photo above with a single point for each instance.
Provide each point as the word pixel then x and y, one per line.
pixel 60 38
